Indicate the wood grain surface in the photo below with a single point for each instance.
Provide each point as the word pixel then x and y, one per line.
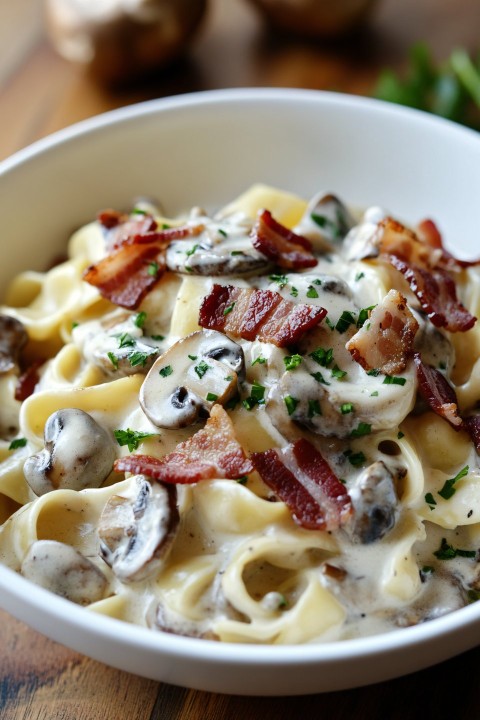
pixel 40 93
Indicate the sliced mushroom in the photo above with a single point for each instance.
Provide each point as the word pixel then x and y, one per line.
pixel 78 454
pixel 313 398
pixel 326 222
pixel 186 381
pixel 13 337
pixel 375 500
pixel 116 345
pixel 362 241
pixel 137 528
pixel 64 571
pixel 226 258
pixel 435 348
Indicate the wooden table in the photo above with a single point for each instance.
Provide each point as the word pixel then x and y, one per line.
pixel 40 93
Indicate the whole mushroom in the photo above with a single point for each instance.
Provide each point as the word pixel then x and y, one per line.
pixel 190 377
pixel 120 39
pixel 78 454
pixel 137 528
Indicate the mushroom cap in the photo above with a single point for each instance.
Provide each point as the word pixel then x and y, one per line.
pixel 137 528
pixel 64 571
pixel 13 337
pixel 78 454
pixel 190 377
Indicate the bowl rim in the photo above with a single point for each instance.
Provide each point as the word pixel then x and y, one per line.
pixel 229 653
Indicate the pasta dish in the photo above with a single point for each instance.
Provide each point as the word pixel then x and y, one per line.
pixel 255 426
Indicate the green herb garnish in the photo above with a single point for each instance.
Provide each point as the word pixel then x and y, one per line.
pixel 17 443
pixel 394 380
pixel 211 397
pixel 311 292
pixel 345 320
pixel 362 429
pixel 322 357
pixel 448 552
pixel 166 371
pixel 291 403
pixel 229 308
pixel 140 319
pixel 448 489
pixel 201 368
pixel 292 361
pixel 131 438
pixel 347 408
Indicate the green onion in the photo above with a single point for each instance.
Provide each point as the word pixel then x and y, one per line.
pixel 346 408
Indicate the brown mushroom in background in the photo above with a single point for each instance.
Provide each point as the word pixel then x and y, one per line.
pixel 13 338
pixel 315 18
pixel 120 40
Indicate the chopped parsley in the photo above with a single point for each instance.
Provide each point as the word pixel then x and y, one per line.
pixel 17 443
pixel 400 435
pixel 140 319
pixel 249 403
pixel 362 429
pixel 292 361
pixel 126 340
pixel 229 308
pixel 374 372
pixel 113 359
pixel 394 380
pixel 193 357
pixel 337 228
pixel 291 404
pixel 157 337
pixel 337 373
pixel 211 397
pixel 319 378
pixel 448 552
pixel 374 393
pixel 242 480
pixel 322 357
pixel 345 320
pixel 363 315
pixel 347 408
pixel 448 490
pixel 311 292
pixel 153 268
pixel 314 408
pixel 258 391
pixel 166 371
pixel 430 500
pixel 190 252
pixel 359 276
pixel 355 459
pixel 138 211
pixel 138 358
pixel 281 280
pixel 201 368
pixel 259 360
pixel 131 438
pixel 329 323
pixel 222 232
pixel 294 292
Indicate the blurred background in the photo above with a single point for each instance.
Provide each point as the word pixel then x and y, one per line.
pixel 65 60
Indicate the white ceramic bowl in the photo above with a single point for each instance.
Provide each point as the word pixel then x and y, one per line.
pixel 205 149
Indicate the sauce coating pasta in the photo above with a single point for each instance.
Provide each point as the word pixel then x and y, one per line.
pixel 254 427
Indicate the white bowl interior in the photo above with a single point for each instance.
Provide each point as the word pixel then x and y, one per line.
pixel 204 149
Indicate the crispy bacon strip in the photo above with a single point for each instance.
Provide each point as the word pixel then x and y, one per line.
pixel 437 392
pixel 300 476
pixel 472 426
pixel 261 314
pixel 212 452
pixel 278 243
pixel 135 266
pixel 120 226
pixel 437 295
pixel 385 342
pixel 27 380
pixel 430 234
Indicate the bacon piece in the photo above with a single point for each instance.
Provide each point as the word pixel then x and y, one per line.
pixel 300 476
pixel 278 243
pixel 398 240
pixel 27 380
pixel 430 234
pixel 120 226
pixel 472 426
pixel 437 295
pixel 135 266
pixel 261 314
pixel 212 452
pixel 437 392
pixel 385 342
